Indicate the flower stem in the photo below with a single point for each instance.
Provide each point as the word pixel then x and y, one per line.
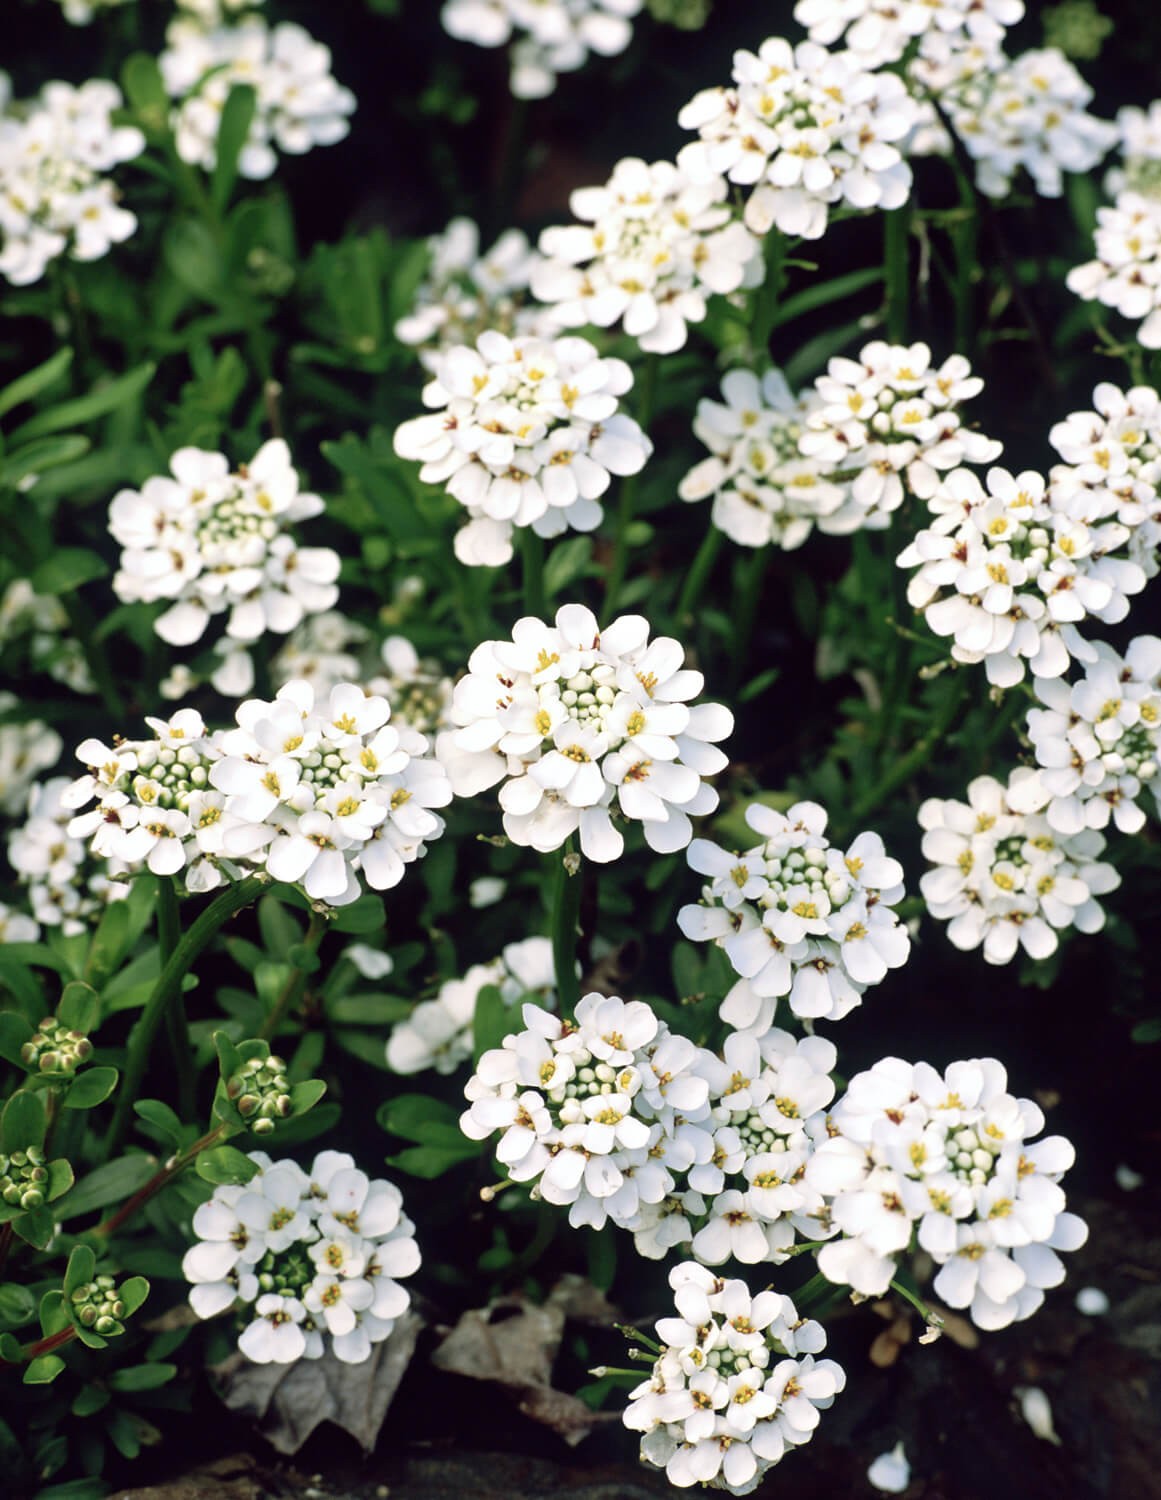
pixel 700 569
pixel 176 1029
pixel 748 596
pixel 532 554
pixel 616 578
pixel 163 1178
pixel 168 989
pixel 565 911
pixel 46 1346
pixel 292 990
pixel 897 271
pixel 916 758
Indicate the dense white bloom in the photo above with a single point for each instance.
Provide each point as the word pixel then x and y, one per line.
pixel 1028 112
pixel 273 1251
pixel 466 293
pixel 1112 467
pixel 438 1032
pixel 570 718
pixel 949 1158
pixel 764 489
pixel 548 36
pixel 17 926
pixel 1140 147
pixel 524 434
pixel 735 1386
pixel 319 652
pixel 66 886
pixel 807 130
pixel 652 245
pixel 217 542
pixel 299 104
pixel 38 624
pixel 418 692
pixel 1098 740
pixel 889 423
pixel 54 196
pixel 1004 877
pixel 797 917
pixel 209 13
pixel 27 747
pixel 1008 574
pixel 880 31
pixel 1126 274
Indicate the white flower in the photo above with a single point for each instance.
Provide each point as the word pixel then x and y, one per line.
pixel 1004 878
pixel 54 198
pixel 764 489
pixel 317 651
pixel 890 1472
pixel 17 926
pixel 797 917
pixel 806 129
pixel 418 692
pixel 1098 741
pixel 299 104
pixel 1126 274
pixel 880 31
pixel 524 433
pixel 1140 146
pixel 466 293
pixel 652 245
pixel 550 36
pixel 568 717
pixel 216 543
pixel 26 749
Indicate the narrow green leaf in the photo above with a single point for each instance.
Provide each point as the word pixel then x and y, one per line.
pixel 97 403
pixel 107 1184
pixel 28 387
pixel 82 1267
pixel 142 1377
pixel 79 1008
pixel 233 128
pixel 36 457
pixel 162 1118
pixel 67 569
pixel 491 1023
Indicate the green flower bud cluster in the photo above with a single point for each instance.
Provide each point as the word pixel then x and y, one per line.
pixel 286 1275
pixel 419 703
pixel 261 1091
pixel 53 1048
pixel 168 777
pixel 24 1178
pixel 96 1305
pixel 1077 28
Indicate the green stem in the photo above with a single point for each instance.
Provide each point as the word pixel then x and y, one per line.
pixel 915 759
pixel 700 569
pixel 917 1303
pixel 176 1027
pixel 616 578
pixel 532 554
pixel 46 1346
pixel 163 1178
pixel 751 576
pixel 764 308
pixel 168 988
pixel 292 990
pixel 897 271
pixel 565 911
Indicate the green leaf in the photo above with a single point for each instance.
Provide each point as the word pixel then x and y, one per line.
pixel 142 1377
pixel 567 562
pixel 14 1033
pixel 1147 1031
pixel 192 254
pixel 367 914
pixel 54 1313
pixel 434 1161
pixel 43 1370
pixel 367 1010
pixel 79 1008
pixel 23 984
pixel 233 128
pixel 67 569
pixel 90 1088
pixel 97 403
pixel 602 1259
pixel 28 387
pixel 35 1227
pixel 492 1021
pixel 107 1184
pixel 229 1058
pixel 24 1122
pixel 60 1179
pixel 133 1293
pixel 17 1305
pixel 9 1349
pixel 162 1118
pixel 225 1164
pixel 821 294
pixel 35 458
pixel 144 87
pixel 89 1400
pixel 304 1096
pixel 278 928
pixel 413 1116
pixel 82 1267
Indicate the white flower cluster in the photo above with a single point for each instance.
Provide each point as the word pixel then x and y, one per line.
pixel 1098 741
pixel 315 793
pixel 27 747
pixel 466 293
pixel 945 1161
pixel 589 1110
pixel 1126 274
pixel 551 36
pixel 438 1033
pixel 302 1255
pixel 418 692
pixel 889 423
pixel 737 1166
pixel 299 104
pixel 1112 467
pixel 765 491
pixel 735 1387
pixel 1009 574
pixel 38 624
pixel 66 886
pixel 807 130
pixel 1004 875
pixel 1028 112
pixel 1140 147
pixel 54 196
pixel 17 926
pixel 524 433
pixel 652 245
pixel 881 31
pixel 570 717
pixel 798 917
pixel 217 542
pixel 319 652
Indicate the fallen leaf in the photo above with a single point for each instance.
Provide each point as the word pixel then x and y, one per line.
pixel 287 1402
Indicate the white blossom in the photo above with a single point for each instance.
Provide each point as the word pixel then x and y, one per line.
pixel 548 36
pixel 890 1473
pixel 1126 273
pixel 66 887
pixel 880 31
pixel 1140 146
pixel 27 747
pixel 579 723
